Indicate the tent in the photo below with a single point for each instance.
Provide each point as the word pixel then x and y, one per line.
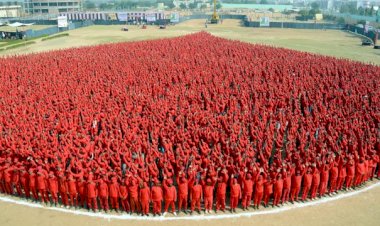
pixel 18 24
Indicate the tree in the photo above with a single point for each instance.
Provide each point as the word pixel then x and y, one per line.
pixel 303 12
pixel 182 6
pixel 104 6
pixel 193 5
pixel 89 5
pixel 170 4
pixel 203 6
pixel 219 5
pixel 314 5
pixel 263 2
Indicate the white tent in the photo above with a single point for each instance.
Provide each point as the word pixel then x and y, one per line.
pixel 17 24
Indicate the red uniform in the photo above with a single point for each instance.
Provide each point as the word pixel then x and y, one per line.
pixel 196 196
pixel 145 199
pixel 133 191
pixel 334 172
pixel 63 189
pixel 32 184
pixel 235 194
pixel 307 180
pixel 221 192
pixel 53 187
pixel 208 193
pixel 92 194
pixel 287 187
pixel 124 197
pixel 183 193
pixel 315 183
pixel 170 195
pixel 41 185
pixel 268 190
pixel 72 188
pixel 350 173
pixel 278 187
pixel 103 193
pixel 157 197
pixel 259 190
pixel 114 191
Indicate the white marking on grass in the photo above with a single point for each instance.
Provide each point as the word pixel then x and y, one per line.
pixel 196 217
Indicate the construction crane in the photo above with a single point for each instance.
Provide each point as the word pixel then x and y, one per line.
pixel 215 16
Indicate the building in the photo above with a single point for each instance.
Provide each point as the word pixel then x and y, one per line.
pixel 52 6
pixel 10 11
pixel 149 16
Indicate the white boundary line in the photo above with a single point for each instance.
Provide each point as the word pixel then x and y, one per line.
pixel 197 217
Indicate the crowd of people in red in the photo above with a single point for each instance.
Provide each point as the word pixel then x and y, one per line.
pixel 193 123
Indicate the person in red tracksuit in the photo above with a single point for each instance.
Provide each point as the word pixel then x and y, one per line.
pixel 268 190
pixel 133 192
pixel 334 173
pixel 53 187
pixel 221 191
pixel 41 185
pixel 157 197
pixel 325 169
pixel 287 185
pixel 307 181
pixel 359 172
pixel 208 193
pixel 350 172
pixel 7 175
pixel 259 188
pixel 72 189
pixel 32 184
pixel 235 194
pixel 92 194
pixel 24 180
pixel 63 189
pixel 103 193
pixel 16 181
pixel 316 182
pixel 145 198
pixel 278 187
pixel 296 183
pixel 114 191
pixel 183 192
pixel 342 173
pixel 170 195
pixel 247 191
pixel 196 196
pixel 124 196
pixel 81 184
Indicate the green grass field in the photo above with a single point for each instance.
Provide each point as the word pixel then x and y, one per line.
pixel 329 42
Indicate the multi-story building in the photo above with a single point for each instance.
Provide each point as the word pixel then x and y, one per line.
pixel 52 6
pixel 10 11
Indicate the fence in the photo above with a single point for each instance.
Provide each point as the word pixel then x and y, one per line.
pixel 358 30
pixel 53 30
pixel 356 17
pixel 296 25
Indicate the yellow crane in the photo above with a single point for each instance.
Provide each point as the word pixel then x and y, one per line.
pixel 215 16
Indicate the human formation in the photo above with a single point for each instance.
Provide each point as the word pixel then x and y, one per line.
pixel 194 123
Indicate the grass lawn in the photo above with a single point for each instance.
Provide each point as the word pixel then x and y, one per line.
pixel 329 42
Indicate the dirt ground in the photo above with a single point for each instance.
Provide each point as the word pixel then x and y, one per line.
pixel 360 209
pixel 326 42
